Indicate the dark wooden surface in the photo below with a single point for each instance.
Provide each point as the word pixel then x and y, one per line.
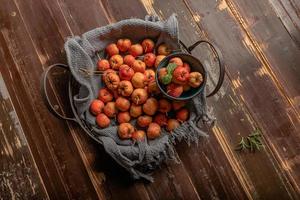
pixel 45 158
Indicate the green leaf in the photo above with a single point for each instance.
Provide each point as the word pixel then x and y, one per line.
pixel 166 79
pixel 171 67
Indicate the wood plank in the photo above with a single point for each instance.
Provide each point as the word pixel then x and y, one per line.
pixel 277 117
pixel 289 14
pixel 19 175
pixel 55 156
pixel 272 45
pixel 227 133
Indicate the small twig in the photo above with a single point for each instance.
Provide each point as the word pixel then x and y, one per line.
pixel 253 142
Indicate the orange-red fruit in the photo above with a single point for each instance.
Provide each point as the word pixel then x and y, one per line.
pixel 195 79
pixel 110 109
pixel 112 49
pixel 153 88
pixel 177 61
pixel 136 50
pixel 129 59
pixel 174 90
pixel 181 74
pixel 135 110
pixel 111 80
pixel 153 131
pixel 138 135
pixel 125 88
pixel 122 104
pixel 163 49
pixel 164 106
pixel 187 66
pixel 116 61
pixel 103 65
pixel 102 120
pixel 150 106
pixel 123 117
pixel 162 72
pixel 172 124
pixel 149 76
pixel 138 80
pixel 144 121
pixel 96 107
pixel 139 96
pixel 178 104
pixel 139 66
pixel 149 59
pixel 161 119
pixel 125 130
pixel 182 115
pixel 125 72
pixel 124 44
pixel 148 45
pixel 105 95
pixel 159 58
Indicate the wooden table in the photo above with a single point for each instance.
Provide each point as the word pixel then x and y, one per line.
pixel 43 157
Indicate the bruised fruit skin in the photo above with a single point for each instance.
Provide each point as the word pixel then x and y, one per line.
pixel 163 49
pixel 112 49
pixel 153 88
pixel 125 88
pixel 159 58
pixel 138 80
pixel 149 76
pixel 124 44
pixel 139 66
pixel 138 135
pixel 136 50
pixel 177 61
pixel 96 107
pixel 116 61
pixel 125 130
pixel 148 45
pixel 181 74
pixel 150 106
pixel 149 59
pixel 111 80
pixel 128 60
pixel 178 104
pixel 164 106
pixel 161 119
pixel 103 65
pixel 123 117
pixel 110 109
pixel 125 72
pixel 135 110
pixel 122 104
pixel 187 66
pixel 174 90
pixel 153 131
pixel 102 120
pixel 144 121
pixel 105 95
pixel 195 79
pixel 172 124
pixel 139 96
pixel 182 115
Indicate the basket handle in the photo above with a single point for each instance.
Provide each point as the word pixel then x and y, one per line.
pixel 219 57
pixel 45 94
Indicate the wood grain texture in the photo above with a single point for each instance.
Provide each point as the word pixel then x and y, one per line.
pixel 261 54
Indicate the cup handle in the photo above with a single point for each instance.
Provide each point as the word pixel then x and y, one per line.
pixel 217 54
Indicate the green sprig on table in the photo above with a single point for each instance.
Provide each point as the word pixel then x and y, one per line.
pixel 252 142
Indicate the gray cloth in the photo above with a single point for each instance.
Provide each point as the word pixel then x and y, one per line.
pixel 141 157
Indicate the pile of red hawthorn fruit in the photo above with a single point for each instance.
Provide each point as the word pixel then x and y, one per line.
pixel 131 92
